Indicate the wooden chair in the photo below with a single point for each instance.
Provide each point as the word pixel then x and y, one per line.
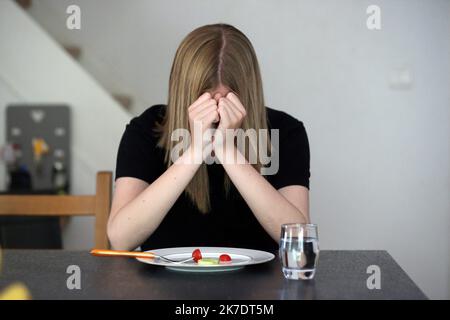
pixel 98 205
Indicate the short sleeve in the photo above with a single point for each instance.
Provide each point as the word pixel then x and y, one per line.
pixel 294 158
pixel 138 155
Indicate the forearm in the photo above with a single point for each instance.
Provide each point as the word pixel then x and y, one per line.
pixel 139 218
pixel 268 205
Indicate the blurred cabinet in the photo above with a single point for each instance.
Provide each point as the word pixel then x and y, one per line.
pixel 41 135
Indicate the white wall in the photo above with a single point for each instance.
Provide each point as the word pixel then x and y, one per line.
pixel 34 69
pixel 380 157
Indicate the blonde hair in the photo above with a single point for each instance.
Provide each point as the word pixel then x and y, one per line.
pixel 209 56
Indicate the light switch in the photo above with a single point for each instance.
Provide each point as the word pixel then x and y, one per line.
pixel 401 78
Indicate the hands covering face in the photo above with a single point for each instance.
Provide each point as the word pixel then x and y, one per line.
pixel 227 113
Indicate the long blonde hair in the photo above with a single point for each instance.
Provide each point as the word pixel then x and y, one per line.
pixel 209 56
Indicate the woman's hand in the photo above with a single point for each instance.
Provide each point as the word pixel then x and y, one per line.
pixel 202 114
pixel 232 114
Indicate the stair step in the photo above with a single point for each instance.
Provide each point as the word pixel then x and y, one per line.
pixel 25 4
pixel 125 101
pixel 74 51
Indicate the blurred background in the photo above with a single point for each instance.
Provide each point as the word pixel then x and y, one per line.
pixel 375 104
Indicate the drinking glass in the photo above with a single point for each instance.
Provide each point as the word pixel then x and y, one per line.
pixel 299 250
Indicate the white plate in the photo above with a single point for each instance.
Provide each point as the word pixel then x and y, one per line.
pixel 239 258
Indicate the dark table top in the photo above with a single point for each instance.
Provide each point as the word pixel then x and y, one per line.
pixel 340 275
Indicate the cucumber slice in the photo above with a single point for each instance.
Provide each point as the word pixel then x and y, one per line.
pixel 208 261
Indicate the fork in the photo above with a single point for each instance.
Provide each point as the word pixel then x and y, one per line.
pixel 134 254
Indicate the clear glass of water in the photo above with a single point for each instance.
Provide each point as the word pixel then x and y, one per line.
pixel 299 250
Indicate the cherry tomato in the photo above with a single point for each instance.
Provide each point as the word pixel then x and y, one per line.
pixel 224 258
pixel 197 255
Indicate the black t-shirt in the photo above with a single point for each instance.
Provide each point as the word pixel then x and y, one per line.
pixel 230 223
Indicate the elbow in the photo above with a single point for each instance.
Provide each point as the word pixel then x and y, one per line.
pixel 116 237
pixel 113 237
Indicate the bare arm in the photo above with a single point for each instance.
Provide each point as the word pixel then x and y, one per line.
pixel 138 208
pixel 271 207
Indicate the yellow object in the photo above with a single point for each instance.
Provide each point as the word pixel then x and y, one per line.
pixel 40 148
pixel 16 291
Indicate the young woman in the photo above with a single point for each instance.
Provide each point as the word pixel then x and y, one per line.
pixel 158 202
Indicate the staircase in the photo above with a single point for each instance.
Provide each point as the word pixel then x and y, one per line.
pixel 125 100
pixel 36 69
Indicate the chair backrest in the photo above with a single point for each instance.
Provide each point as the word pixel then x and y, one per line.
pixel 98 205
